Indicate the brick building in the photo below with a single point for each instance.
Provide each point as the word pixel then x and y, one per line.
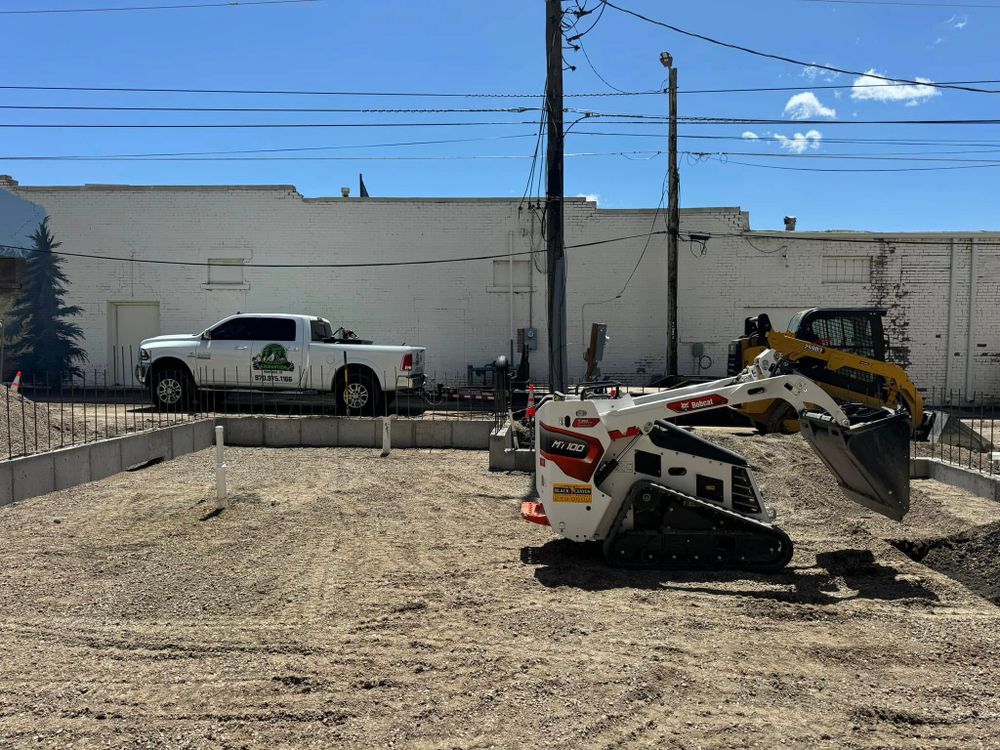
pixel 941 289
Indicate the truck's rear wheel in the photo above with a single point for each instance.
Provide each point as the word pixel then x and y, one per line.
pixel 358 393
pixel 171 389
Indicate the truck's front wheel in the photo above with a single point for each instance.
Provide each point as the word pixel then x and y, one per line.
pixel 358 393
pixel 171 390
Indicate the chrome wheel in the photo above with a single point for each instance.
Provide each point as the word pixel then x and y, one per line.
pixel 169 390
pixel 356 395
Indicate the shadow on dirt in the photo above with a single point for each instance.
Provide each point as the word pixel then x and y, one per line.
pixel 564 563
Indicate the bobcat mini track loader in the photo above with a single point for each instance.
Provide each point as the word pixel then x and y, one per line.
pixel 612 469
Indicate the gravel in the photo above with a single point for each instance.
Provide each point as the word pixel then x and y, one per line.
pixel 344 600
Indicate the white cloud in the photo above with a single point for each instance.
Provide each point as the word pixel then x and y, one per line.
pixel 806 106
pixel 594 197
pixel 867 87
pixel 957 22
pixel 812 72
pixel 749 135
pixel 799 142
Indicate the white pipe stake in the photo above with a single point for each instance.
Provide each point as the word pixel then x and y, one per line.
pixel 386 436
pixel 220 469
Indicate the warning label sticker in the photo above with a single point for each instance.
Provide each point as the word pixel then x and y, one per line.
pixel 571 493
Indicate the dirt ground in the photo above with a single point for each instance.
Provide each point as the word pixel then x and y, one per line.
pixel 349 601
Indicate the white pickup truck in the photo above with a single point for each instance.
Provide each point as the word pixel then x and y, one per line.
pixel 276 353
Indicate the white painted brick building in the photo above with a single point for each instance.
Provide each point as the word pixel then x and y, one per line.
pixel 464 312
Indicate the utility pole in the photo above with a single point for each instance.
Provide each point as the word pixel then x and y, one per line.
pixel 554 247
pixel 673 216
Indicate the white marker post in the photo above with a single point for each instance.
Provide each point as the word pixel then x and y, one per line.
pixel 386 436
pixel 220 470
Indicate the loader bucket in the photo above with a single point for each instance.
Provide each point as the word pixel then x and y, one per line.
pixel 870 459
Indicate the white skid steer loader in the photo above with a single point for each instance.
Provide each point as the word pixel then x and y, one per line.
pixel 610 468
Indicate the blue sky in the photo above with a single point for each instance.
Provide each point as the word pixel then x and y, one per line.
pixel 463 46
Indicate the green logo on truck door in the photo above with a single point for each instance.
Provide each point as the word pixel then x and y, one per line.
pixel 273 358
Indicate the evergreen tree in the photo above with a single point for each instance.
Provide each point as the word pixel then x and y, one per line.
pixel 46 343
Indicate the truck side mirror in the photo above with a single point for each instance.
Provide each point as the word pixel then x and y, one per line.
pixel 206 336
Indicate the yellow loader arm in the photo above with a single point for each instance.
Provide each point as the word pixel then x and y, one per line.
pixel 845 376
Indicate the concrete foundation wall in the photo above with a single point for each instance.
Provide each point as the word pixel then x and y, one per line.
pixel 35 475
pixel 975 482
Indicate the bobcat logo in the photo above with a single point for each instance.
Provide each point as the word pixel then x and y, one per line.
pixel 273 357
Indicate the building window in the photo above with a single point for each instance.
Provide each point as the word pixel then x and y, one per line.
pixel 847 269
pixel 502 275
pixel 225 272
pixel 10 273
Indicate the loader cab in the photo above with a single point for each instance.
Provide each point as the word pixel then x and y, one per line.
pixel 857 330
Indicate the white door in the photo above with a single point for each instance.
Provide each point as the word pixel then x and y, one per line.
pixel 131 322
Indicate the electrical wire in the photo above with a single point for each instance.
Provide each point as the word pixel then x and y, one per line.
pixel 298 110
pixel 598 117
pixel 866 169
pixel 649 236
pixel 785 58
pixel 451 157
pixel 186 6
pixel 304 92
pixel 369 264
pixel 907 4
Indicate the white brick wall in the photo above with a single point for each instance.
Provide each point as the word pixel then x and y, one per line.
pixel 449 309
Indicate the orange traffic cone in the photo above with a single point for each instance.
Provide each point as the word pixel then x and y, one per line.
pixel 530 411
pixel 16 385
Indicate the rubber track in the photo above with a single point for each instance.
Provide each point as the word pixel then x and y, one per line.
pixel 735 521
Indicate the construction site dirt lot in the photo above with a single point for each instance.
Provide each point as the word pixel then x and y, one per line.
pixel 345 600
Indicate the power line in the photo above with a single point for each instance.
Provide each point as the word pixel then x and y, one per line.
pixel 598 117
pixel 811 86
pixel 865 169
pixel 658 119
pixel 453 157
pixel 308 92
pixel 907 4
pixel 826 140
pixel 851 157
pixel 279 125
pixel 187 6
pixel 791 60
pixel 373 264
pixel 297 149
pixel 299 110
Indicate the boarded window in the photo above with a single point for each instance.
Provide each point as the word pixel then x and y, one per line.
pixel 502 274
pixel 225 270
pixel 847 269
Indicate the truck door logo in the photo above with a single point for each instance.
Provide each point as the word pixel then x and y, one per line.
pixel 273 357
pixel 270 363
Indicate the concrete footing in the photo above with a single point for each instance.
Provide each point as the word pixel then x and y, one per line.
pixel 975 482
pixel 35 475
pixel 505 457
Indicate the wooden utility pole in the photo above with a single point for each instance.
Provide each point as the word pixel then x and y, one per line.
pixel 555 255
pixel 673 221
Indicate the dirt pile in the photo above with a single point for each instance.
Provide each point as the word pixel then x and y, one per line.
pixel 28 426
pixel 972 557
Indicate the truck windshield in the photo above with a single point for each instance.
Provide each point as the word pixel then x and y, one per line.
pixel 321 330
